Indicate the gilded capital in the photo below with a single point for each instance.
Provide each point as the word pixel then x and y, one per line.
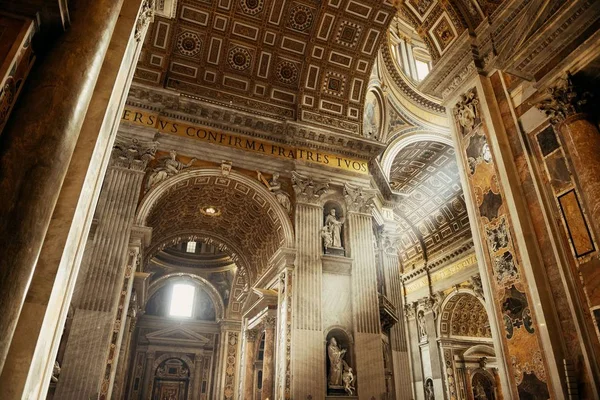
pixel 563 100
pixel 308 189
pixel 133 154
pixel 358 199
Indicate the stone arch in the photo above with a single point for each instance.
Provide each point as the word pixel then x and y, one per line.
pixel 399 143
pixel 198 280
pixel 463 314
pixel 248 221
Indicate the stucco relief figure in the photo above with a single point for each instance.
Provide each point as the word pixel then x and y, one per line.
pixel 336 364
pixel 280 195
pixel 167 167
pixel 332 231
pixel 55 372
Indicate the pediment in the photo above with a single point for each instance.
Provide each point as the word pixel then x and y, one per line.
pixel 178 334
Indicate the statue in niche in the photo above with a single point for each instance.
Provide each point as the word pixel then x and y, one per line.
pixel 429 392
pixel 166 168
pixel 337 365
pixel 479 392
pixel 332 232
pixel 422 328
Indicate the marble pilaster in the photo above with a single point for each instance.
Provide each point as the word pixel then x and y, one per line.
pixel 33 166
pixel 39 328
pixel 148 375
pixel 100 284
pixel 435 356
pixel 400 351
pixel 412 331
pixel 365 300
pixel 308 350
pixel 269 359
pixel 283 378
pixel 250 337
pixel 196 383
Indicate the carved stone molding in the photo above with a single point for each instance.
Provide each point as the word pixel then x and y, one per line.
pixel 563 100
pixel 358 199
pixel 410 310
pixel 391 244
pixel 145 16
pixel 431 303
pixel 133 154
pixel 307 189
pixel 465 111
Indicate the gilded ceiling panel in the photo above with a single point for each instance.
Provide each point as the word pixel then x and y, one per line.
pixel 296 60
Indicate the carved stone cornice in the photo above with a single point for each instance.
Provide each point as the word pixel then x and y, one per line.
pixel 133 154
pixel 563 100
pixel 307 189
pixel 359 199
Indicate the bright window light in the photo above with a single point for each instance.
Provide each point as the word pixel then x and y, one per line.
pixel 191 247
pixel 422 69
pixel 182 300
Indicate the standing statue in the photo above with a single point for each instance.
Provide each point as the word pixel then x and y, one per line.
pixel 336 361
pixel 167 167
pixel 479 392
pixel 348 379
pixel 334 227
pixel 421 323
pixel 429 392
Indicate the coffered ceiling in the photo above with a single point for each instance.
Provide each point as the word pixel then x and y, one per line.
pixel 303 60
pixel 432 212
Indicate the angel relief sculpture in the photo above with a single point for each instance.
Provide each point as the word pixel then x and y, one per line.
pixel 167 167
pixel 274 186
pixel 331 232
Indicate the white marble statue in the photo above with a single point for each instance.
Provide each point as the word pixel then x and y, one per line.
pixel 421 323
pixel 348 379
pixel 336 364
pixel 333 231
pixel 280 195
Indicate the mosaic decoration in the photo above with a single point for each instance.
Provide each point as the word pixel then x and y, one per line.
pixel 508 288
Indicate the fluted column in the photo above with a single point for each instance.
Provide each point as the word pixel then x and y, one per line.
pixel 250 337
pixel 308 350
pixel 400 353
pixel 100 285
pixel 37 144
pixel 269 359
pixel 365 300
pixel 581 136
pixel 412 332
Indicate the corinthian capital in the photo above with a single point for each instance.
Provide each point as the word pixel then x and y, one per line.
pixel 133 154
pixel 358 199
pixel 308 189
pixel 563 100
pixel 145 16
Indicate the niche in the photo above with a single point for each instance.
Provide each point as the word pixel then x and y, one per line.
pixel 171 380
pixel 339 351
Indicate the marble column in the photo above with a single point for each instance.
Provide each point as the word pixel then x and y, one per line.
pixel 120 382
pixel 412 331
pixel 250 337
pixel 99 287
pixel 308 352
pixel 51 111
pixel 39 328
pixel 269 359
pixel 393 283
pixel 581 136
pixel 365 300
